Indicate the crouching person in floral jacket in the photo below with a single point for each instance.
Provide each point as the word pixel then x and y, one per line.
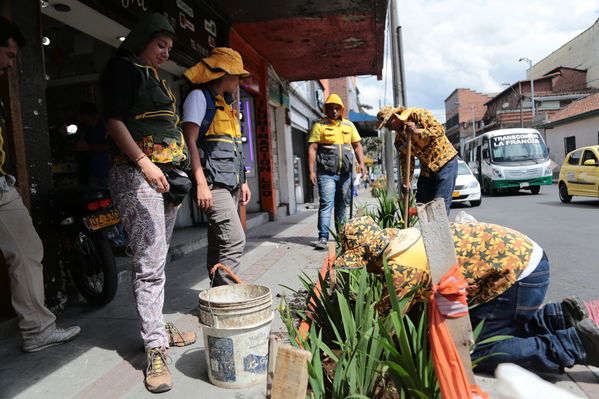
pixel 507 275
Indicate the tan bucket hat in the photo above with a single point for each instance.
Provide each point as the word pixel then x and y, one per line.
pixel 222 61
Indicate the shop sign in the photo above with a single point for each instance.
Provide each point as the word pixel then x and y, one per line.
pixel 183 6
pixel 197 28
pixel 264 155
pixel 516 139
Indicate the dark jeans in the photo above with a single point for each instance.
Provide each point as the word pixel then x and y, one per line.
pixel 540 340
pixel 335 192
pixel 438 185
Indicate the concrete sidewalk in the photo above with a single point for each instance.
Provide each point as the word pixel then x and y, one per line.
pixel 107 360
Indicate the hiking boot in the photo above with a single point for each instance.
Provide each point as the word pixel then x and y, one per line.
pixel 322 243
pixel 177 337
pixel 158 377
pixel 57 337
pixel 574 311
pixel 588 332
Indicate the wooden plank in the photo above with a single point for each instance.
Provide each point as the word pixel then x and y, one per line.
pixel 274 342
pixel 291 373
pixel 440 251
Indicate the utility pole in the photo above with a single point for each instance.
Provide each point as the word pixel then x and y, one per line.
pixel 399 96
pixel 473 122
pixel 520 98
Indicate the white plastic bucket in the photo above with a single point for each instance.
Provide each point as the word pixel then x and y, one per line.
pixel 236 323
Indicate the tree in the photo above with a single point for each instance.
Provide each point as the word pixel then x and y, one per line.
pixel 362 108
pixel 373 147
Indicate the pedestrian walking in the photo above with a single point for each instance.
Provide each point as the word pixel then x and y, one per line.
pixel 211 126
pixel 419 134
pixel 356 183
pixel 506 278
pixel 19 242
pixel 143 125
pixel 333 142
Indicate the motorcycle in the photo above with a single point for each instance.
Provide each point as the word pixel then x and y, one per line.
pixel 88 224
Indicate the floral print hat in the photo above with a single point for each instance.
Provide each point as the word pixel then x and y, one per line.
pixel 362 242
pixel 388 111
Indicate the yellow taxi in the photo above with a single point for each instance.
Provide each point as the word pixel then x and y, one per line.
pixel 579 174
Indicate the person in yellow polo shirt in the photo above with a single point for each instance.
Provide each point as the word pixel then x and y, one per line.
pixel 333 142
pixel 507 275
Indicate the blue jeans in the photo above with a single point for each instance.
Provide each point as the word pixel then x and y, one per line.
pixel 540 340
pixel 438 185
pixel 335 190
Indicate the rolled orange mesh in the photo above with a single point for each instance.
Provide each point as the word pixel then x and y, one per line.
pixel 451 293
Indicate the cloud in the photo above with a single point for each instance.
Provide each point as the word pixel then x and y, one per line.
pixel 449 44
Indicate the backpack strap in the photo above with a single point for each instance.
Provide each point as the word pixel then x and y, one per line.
pixel 210 110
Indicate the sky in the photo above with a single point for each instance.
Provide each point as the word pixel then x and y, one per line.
pixel 474 44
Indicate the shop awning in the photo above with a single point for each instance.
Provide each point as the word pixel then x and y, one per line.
pixel 366 124
pixel 313 40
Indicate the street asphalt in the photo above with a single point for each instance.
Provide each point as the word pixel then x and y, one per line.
pixel 107 359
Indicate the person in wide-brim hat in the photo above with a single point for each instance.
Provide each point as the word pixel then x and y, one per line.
pixel 211 124
pixel 420 135
pixel 500 277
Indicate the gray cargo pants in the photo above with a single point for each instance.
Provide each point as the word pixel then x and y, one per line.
pixel 226 238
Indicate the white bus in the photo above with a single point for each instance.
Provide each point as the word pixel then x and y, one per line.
pixel 509 160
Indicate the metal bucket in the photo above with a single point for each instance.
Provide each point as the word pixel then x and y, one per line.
pixel 236 323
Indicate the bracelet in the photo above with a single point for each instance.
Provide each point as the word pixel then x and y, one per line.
pixel 139 158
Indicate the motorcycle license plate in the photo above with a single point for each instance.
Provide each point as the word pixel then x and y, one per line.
pixel 99 221
pixel 456 194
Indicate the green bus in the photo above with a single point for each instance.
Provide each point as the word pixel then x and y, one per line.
pixel 509 160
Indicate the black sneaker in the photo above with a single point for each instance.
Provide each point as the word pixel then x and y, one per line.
pixel 574 311
pixel 588 332
pixel 322 243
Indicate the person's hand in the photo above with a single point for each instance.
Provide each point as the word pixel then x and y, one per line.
pixel 153 175
pixel 313 178
pixel 405 188
pixel 411 127
pixel 204 197
pixel 364 173
pixel 246 194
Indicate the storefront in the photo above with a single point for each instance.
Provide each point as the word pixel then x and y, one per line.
pixel 79 37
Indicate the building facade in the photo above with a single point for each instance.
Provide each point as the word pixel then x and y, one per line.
pixel 552 92
pixel 464 110
pixel 577 125
pixel 582 52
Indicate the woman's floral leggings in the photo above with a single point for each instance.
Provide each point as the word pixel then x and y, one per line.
pixel 149 222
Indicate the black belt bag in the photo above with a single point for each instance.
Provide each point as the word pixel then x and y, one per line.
pixel 179 183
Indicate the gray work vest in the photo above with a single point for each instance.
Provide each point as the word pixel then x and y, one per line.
pixel 153 120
